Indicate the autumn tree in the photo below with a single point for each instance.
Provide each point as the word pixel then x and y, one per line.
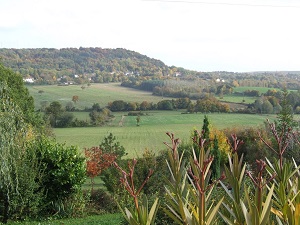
pixel 75 98
pixel 98 115
pixel 97 161
pixel 145 105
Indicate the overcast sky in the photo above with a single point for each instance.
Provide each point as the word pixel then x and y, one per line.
pixel 202 35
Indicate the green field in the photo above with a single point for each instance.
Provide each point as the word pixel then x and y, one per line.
pixel 151 132
pixel 238 99
pixel 96 93
pixel 260 89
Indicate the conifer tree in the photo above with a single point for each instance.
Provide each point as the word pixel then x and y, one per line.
pixel 206 132
pixel 215 166
pixel 285 117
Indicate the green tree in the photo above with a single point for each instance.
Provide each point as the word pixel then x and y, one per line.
pixel 110 145
pixel 118 105
pixel 206 132
pixel 20 173
pixel 65 119
pixel 284 126
pixel 54 110
pixel 165 105
pixel 99 116
pixel 70 106
pixel 205 128
pixel 215 166
pixel 267 107
pixel 285 118
pixel 19 94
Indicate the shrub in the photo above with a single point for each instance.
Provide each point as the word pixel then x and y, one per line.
pixel 64 172
pixel 100 201
pixel 252 148
pixel 20 173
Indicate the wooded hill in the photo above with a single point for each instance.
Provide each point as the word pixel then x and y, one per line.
pixel 99 65
pixel 46 65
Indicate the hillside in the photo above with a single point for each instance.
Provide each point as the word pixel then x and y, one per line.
pixel 49 65
pixel 99 65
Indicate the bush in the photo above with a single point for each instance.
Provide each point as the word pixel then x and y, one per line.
pixel 100 201
pixel 64 172
pixel 252 149
pixel 20 173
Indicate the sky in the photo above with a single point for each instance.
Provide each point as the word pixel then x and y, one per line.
pixel 201 35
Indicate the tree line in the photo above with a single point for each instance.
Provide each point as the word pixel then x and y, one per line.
pixel 58 115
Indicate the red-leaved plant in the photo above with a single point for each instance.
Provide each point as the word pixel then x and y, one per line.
pixel 97 161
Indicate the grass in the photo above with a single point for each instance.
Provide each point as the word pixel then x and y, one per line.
pixel 260 89
pixel 105 219
pixel 151 132
pixel 238 99
pixel 98 184
pixel 96 93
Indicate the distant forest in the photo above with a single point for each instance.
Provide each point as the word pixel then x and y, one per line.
pixel 49 66
pixel 97 65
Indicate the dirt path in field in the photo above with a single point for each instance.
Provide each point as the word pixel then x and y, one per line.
pixel 121 121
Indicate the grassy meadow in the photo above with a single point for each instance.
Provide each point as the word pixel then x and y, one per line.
pixel 109 92
pixel 96 93
pixel 153 126
pixel 260 89
pixel 151 132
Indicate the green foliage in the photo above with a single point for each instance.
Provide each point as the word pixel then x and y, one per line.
pixel 285 117
pixel 100 201
pixel 110 145
pixel 64 169
pixel 165 105
pixel 255 215
pixel 186 202
pixel 103 219
pixel 118 105
pixel 215 166
pixel 19 95
pixel 139 214
pixel 234 181
pixel 252 149
pixel 110 176
pixel 20 172
pixel 65 120
pixel 210 104
pixel 100 116
pixel 54 110
pixel 56 63
pixel 17 90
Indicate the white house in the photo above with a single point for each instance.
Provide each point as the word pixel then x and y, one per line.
pixel 28 80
